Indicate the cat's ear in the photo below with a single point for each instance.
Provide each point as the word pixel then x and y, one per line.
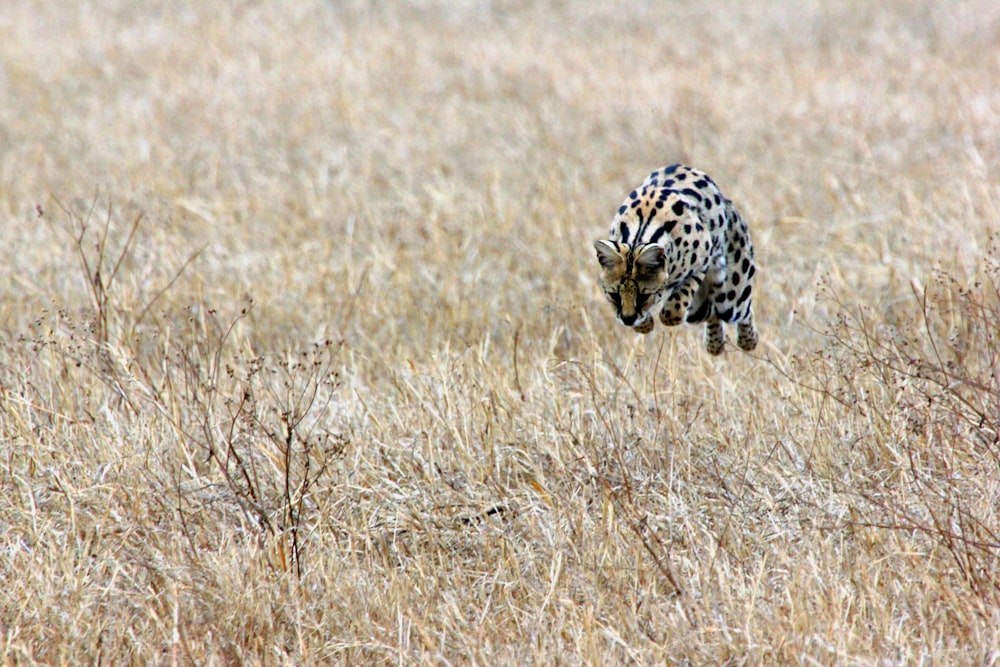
pixel 650 258
pixel 608 254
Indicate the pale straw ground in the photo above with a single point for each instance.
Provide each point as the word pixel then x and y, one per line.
pixel 303 359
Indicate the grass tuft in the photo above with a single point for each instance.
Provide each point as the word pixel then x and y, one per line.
pixel 303 359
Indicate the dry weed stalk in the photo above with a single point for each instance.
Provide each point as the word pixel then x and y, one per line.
pixel 929 391
pixel 261 422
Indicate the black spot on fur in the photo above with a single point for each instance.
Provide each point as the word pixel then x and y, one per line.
pixel 701 314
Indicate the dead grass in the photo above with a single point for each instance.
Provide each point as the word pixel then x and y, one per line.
pixel 349 394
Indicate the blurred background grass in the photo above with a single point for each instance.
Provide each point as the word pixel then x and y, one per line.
pixel 483 466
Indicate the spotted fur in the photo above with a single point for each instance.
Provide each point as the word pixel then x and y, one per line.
pixel 678 245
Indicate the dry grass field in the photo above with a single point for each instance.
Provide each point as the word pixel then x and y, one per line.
pixel 303 358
